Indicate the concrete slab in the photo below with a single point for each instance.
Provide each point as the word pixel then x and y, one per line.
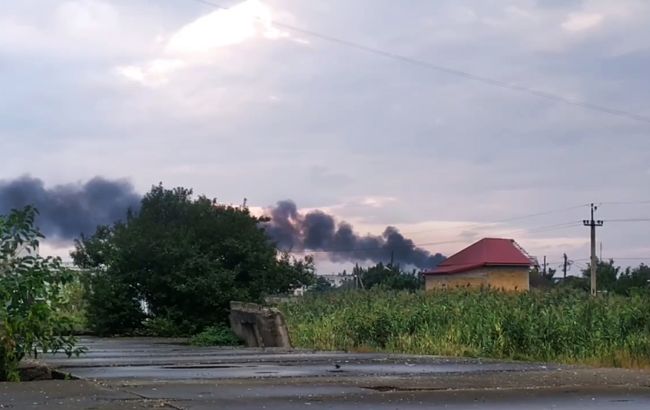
pixel 162 372
pixel 70 394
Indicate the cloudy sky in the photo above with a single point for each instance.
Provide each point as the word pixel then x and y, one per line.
pixel 237 103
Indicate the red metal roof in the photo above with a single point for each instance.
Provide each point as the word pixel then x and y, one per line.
pixel 486 252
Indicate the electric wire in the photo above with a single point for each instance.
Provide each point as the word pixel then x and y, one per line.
pixel 455 72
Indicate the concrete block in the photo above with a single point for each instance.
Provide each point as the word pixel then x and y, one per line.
pixel 259 326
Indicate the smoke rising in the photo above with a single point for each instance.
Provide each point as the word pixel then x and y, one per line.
pixel 68 210
pixel 318 231
pixel 71 209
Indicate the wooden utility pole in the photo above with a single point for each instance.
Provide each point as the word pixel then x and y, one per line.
pixel 565 265
pixel 544 265
pixel 594 260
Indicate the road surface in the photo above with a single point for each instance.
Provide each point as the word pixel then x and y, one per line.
pixel 163 373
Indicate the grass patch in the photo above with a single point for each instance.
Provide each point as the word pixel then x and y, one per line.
pixel 559 326
pixel 215 336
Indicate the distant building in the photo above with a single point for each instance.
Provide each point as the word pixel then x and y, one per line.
pixel 337 279
pixel 490 262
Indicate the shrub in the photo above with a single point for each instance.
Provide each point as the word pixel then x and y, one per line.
pixel 564 326
pixel 215 336
pixel 31 296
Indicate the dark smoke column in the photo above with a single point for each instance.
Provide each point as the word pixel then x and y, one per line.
pixel 69 210
pixel 318 231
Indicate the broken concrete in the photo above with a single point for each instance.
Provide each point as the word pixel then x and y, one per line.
pixel 33 370
pixel 259 326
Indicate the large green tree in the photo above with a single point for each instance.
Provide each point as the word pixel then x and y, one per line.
pixel 181 259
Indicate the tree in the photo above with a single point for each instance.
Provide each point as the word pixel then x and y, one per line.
pixel 634 280
pixel 320 285
pixel 542 280
pixel 606 275
pixel 388 276
pixel 183 259
pixel 31 296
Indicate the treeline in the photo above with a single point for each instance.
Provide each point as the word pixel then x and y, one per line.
pixel 609 277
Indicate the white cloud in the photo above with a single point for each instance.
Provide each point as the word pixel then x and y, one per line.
pixel 582 21
pixel 224 27
pixel 378 201
pixel 197 42
pixel 153 73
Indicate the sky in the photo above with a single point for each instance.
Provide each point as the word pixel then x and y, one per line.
pixel 236 103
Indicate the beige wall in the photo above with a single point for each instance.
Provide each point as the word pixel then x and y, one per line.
pixel 505 278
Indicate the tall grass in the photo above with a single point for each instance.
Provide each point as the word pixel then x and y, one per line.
pixel 556 326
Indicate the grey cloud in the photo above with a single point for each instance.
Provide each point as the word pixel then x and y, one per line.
pixel 66 211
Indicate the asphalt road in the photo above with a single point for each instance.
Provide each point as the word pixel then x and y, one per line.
pixel 162 373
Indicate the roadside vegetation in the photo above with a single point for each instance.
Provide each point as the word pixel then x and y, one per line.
pixel 219 335
pixel 33 295
pixel 559 326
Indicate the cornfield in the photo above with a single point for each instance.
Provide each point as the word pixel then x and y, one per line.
pixel 556 326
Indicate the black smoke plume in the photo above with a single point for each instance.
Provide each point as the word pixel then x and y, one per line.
pixel 318 231
pixel 69 210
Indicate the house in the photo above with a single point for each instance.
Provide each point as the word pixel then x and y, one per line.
pixel 490 262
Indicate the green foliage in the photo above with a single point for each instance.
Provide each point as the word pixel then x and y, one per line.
pixel 566 326
pixel 31 295
pixel 388 276
pixel 112 305
pixel 606 275
pixel 184 259
pixel 542 280
pixel 320 285
pixel 74 304
pixel 215 336
pixel 162 326
pixel 633 281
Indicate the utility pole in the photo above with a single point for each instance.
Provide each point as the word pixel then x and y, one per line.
pixel 544 265
pixel 564 266
pixel 601 251
pixel 594 260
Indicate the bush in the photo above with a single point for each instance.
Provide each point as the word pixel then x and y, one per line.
pixel 215 336
pixel 563 326
pixel 31 296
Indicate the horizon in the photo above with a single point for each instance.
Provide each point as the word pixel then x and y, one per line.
pixel 450 120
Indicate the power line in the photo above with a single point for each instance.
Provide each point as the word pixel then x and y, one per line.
pixel 516 218
pixel 625 202
pixel 546 227
pixel 628 220
pixel 628 258
pixel 455 72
